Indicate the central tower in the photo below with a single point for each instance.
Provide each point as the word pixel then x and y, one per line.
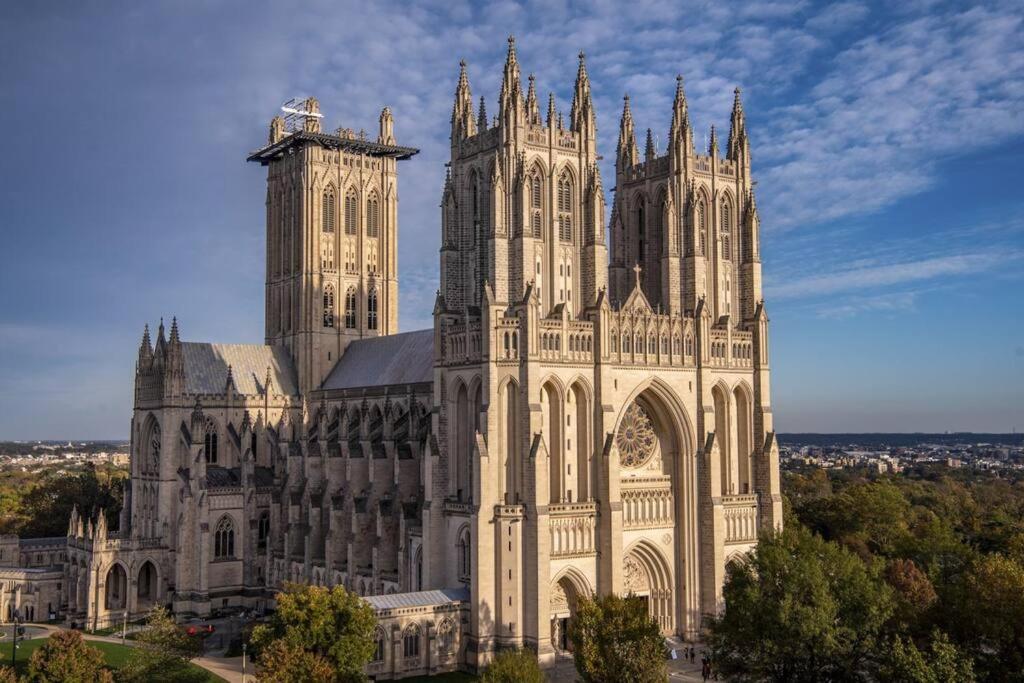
pixel 332 235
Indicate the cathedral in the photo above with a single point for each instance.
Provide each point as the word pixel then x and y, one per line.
pixel 590 412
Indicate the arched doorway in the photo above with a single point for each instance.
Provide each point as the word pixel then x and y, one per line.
pixel 646 576
pixel 116 585
pixel 659 489
pixel 564 596
pixel 147 586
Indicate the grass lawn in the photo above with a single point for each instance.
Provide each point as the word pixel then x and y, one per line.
pixel 453 677
pixel 114 654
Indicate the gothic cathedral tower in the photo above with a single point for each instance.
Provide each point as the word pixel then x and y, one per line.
pixel 332 231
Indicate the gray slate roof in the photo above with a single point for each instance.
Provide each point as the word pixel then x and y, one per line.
pixel 419 598
pixel 406 358
pixel 206 368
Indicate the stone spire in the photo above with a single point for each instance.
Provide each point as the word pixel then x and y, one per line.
pixel 737 144
pixel 145 348
pixel 649 151
pixel 532 109
pixel 552 114
pixel 463 124
pixel 581 115
pixel 386 135
pixel 160 339
pixel 481 119
pixel 510 98
pixel 626 152
pixel 680 133
pixel 713 143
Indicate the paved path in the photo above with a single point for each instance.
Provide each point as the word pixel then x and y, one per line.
pixel 228 668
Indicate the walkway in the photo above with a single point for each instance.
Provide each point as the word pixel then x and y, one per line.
pixel 228 668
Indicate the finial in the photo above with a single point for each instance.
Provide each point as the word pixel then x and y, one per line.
pixel 637 269
pixel 511 40
pixel 462 63
pixel 583 56
pixel 174 329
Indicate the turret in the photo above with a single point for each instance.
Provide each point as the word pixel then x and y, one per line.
pixel 532 110
pixel 463 125
pixel 626 153
pixel 481 119
pixel 738 148
pixel 680 135
pixel 276 130
pixel 581 116
pixel 145 348
pixel 510 99
pixel 387 127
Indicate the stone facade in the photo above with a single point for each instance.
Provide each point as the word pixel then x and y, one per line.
pixel 587 414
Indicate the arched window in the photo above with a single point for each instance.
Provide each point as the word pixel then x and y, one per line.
pixel 371 310
pixel 263 530
pixel 327 215
pixel 152 460
pixel 411 641
pixel 350 308
pixel 210 442
pixel 329 306
pixel 373 216
pixel 565 207
pixel 535 204
pixel 702 226
pixel 224 538
pixel 380 641
pixel 641 224
pixel 465 557
pixel 726 231
pixel 446 637
pixel 351 219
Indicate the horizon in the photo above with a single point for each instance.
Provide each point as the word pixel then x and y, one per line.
pixel 886 143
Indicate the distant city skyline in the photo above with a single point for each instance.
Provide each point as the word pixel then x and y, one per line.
pixel 886 143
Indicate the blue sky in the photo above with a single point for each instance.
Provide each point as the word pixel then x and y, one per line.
pixel 887 141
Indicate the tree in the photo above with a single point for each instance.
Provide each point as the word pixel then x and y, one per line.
pixel 614 639
pixel 46 506
pixel 906 664
pixel 514 666
pixel 799 608
pixel 7 675
pixel 281 661
pixel 328 622
pixel 993 612
pixel 65 658
pixel 163 652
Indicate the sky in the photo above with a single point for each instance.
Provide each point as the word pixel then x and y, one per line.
pixel 887 143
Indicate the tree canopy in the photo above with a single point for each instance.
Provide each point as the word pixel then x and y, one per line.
pixel 615 639
pixel 330 623
pixel 514 666
pixel 66 658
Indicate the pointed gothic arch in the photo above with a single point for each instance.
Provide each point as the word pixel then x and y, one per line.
pixel 351 212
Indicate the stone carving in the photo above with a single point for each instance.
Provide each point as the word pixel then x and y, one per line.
pixel 636 438
pixel 634 576
pixel 559 600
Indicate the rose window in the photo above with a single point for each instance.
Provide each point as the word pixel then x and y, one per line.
pixel 635 438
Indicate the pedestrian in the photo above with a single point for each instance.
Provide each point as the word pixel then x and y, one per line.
pixel 693 655
pixel 704 670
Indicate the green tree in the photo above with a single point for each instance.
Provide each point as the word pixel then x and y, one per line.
pixel 614 639
pixel 514 666
pixel 799 609
pixel 163 652
pixel 47 505
pixel 328 622
pixel 944 663
pixel 65 658
pixel 993 613
pixel 7 675
pixel 281 661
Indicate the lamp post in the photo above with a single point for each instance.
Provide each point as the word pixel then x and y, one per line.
pixel 124 626
pixel 243 661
